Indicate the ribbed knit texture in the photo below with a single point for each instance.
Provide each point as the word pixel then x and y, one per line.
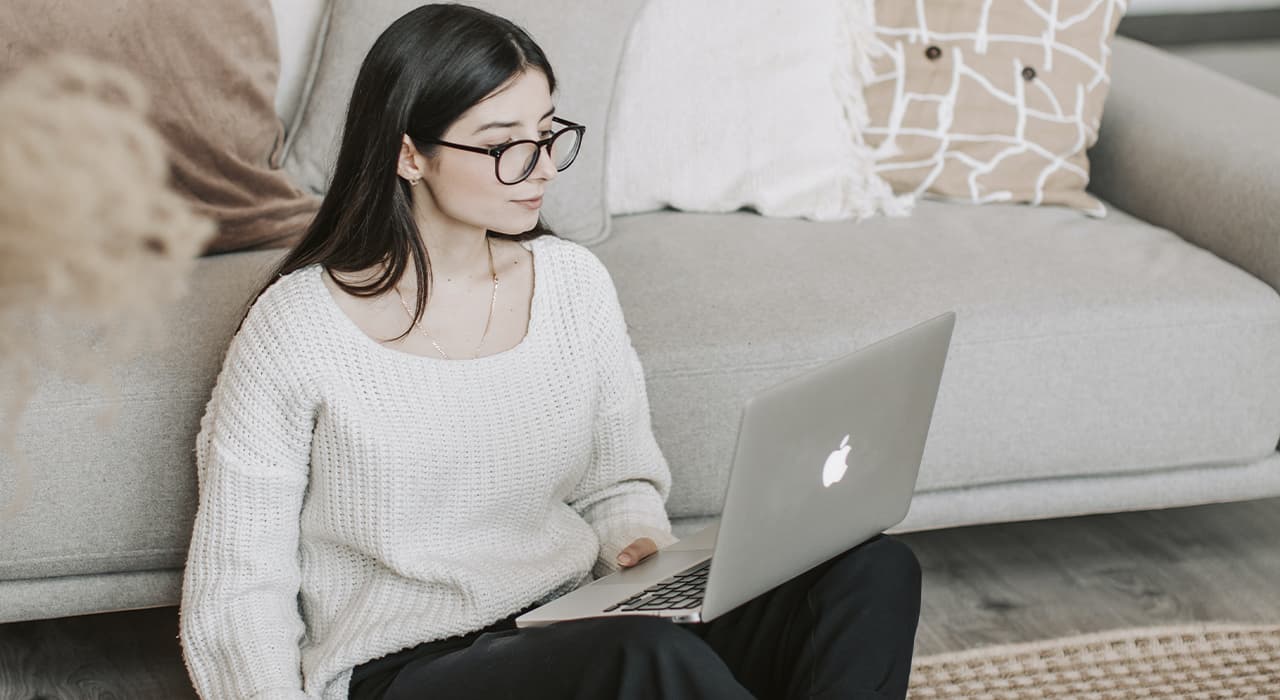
pixel 356 500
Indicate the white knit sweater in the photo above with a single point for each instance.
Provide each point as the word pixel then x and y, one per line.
pixel 356 500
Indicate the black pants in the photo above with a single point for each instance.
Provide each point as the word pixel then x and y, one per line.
pixel 844 629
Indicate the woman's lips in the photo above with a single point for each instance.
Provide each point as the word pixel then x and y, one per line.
pixel 535 203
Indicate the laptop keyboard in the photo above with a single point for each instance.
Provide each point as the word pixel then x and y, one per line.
pixel 680 592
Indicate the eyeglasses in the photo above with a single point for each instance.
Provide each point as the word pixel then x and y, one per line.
pixel 514 162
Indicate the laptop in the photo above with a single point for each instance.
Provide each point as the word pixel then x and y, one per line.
pixel 824 461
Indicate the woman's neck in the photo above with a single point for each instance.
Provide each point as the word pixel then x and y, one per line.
pixel 456 256
pixel 457 252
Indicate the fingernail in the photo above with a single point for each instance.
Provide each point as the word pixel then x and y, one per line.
pixel 624 558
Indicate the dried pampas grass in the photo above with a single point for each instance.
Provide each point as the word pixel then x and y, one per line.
pixel 93 242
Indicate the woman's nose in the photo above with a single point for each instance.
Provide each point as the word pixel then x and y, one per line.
pixel 545 168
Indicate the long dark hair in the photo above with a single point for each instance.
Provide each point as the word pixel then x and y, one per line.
pixel 423 72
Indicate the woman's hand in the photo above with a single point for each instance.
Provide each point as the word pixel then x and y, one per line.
pixel 636 551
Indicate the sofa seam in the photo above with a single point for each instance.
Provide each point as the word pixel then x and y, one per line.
pixel 1149 471
pixel 1065 478
pixel 791 364
pixel 92 556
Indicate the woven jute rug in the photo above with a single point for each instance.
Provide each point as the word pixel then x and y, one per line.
pixel 1194 662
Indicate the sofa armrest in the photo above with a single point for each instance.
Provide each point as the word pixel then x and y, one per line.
pixel 1195 152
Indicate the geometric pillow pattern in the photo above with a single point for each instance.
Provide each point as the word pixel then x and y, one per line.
pixel 985 101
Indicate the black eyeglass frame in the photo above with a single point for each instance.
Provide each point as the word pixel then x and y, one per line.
pixel 542 144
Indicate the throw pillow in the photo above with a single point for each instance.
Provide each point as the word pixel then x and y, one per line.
pixel 299 26
pixel 210 70
pixel 990 101
pixel 582 40
pixel 758 107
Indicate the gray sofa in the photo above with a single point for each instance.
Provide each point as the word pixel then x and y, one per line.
pixel 1097 365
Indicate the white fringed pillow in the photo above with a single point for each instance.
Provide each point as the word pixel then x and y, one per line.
pixel 754 104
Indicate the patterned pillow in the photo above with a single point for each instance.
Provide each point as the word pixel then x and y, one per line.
pixel 988 101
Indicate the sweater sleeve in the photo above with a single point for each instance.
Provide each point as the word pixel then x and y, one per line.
pixel 623 493
pixel 240 626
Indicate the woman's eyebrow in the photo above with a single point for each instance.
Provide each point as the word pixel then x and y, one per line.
pixel 508 125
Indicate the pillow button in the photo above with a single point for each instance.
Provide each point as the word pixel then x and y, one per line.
pixel 933 53
pixel 1028 73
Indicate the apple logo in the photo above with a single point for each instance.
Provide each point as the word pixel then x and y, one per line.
pixel 835 467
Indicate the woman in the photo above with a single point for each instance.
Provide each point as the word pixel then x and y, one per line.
pixel 433 419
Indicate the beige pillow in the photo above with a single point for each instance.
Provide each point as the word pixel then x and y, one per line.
pixel 988 101
pixel 210 69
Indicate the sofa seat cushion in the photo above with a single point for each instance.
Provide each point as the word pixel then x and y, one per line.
pixel 114 485
pixel 1082 346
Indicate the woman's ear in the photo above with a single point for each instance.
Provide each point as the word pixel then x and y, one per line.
pixel 411 163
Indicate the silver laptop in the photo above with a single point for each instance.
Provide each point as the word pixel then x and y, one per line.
pixel 824 461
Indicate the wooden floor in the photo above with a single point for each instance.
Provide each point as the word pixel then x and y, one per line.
pixel 116 656
pixel 1036 580
pixel 982 585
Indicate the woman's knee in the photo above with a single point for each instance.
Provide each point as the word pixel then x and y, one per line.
pixel 882 563
pixel 895 555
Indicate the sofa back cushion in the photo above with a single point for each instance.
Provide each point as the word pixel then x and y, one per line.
pixel 210 69
pixel 582 39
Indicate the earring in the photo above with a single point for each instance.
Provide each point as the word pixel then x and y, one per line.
pixel 413 182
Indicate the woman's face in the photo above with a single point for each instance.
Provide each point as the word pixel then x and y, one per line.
pixel 462 186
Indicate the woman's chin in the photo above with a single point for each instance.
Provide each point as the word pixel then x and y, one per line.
pixel 514 226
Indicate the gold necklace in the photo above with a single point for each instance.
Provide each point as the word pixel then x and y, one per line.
pixel 488 320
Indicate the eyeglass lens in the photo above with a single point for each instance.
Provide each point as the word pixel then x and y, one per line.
pixel 519 161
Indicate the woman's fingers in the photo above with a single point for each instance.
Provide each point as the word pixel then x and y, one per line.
pixel 636 551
